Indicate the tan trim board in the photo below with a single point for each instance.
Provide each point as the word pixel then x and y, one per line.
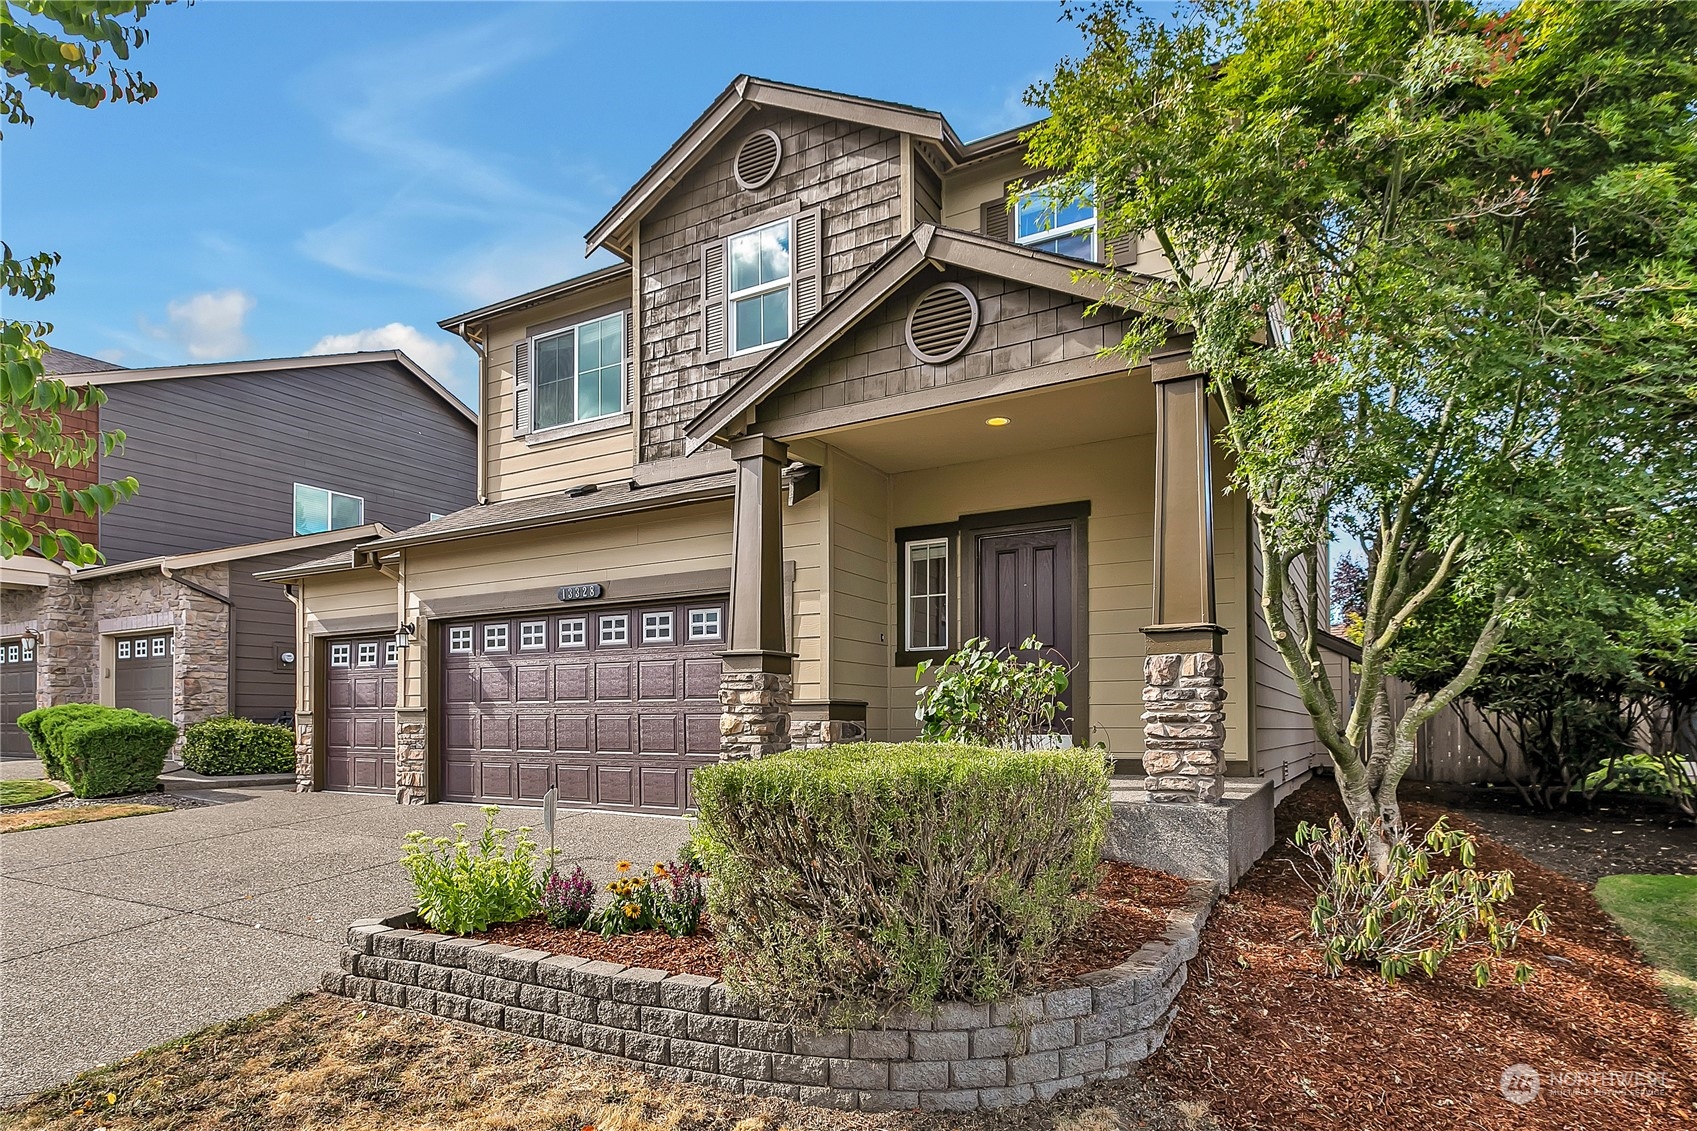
pixel 351 626
pixel 622 591
pixel 708 462
pixel 537 297
pixel 237 553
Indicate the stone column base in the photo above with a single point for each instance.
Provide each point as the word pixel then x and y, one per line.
pixel 816 734
pixel 303 753
pixel 1184 727
pixel 412 753
pixel 754 705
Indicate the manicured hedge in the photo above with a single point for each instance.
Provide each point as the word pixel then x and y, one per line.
pixel 238 746
pixel 852 881
pixel 100 751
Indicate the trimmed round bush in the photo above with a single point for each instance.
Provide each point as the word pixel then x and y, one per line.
pixel 101 751
pixel 238 746
pixel 853 881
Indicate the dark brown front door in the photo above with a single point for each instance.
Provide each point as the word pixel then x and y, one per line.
pixel 17 692
pixel 1026 588
pixel 359 714
pixel 615 707
pixel 141 674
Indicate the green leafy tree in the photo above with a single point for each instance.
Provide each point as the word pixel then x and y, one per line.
pixel 71 50
pixel 1438 261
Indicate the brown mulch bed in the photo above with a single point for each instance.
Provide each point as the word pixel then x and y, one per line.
pixel 1130 908
pixel 1271 1043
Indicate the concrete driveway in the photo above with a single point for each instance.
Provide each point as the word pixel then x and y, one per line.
pixel 120 935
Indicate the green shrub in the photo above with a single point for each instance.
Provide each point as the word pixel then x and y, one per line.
pixel 852 881
pixel 100 751
pixel 1640 773
pixel 983 697
pixel 38 723
pixel 464 887
pixel 238 746
pixel 1418 911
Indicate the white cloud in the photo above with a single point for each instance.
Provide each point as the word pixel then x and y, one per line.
pixel 439 356
pixel 208 326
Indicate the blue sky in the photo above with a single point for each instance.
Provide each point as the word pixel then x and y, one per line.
pixel 325 176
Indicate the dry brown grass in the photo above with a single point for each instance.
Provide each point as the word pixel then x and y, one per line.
pixel 79 815
pixel 327 1064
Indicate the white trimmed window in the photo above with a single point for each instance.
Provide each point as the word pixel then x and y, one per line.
pixel 657 628
pixel 160 645
pixel 341 655
pixel 368 655
pixel 615 630
pixel 494 638
pixel 1049 221
pixel 759 292
pixel 390 654
pixel 318 509
pixel 533 634
pixel 705 624
pixel 926 566
pixel 29 649
pixel 459 640
pixel 123 649
pixel 574 632
pixel 577 373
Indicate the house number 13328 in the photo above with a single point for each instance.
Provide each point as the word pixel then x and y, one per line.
pixel 586 592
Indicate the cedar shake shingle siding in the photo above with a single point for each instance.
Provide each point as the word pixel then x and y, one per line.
pixel 1019 327
pixel 851 172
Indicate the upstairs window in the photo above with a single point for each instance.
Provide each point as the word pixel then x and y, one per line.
pixel 759 289
pixel 318 509
pixel 1050 221
pixel 578 373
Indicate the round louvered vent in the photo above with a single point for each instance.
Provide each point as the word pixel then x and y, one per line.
pixel 757 160
pixel 942 323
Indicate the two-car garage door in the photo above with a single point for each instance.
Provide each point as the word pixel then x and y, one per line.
pixel 615 707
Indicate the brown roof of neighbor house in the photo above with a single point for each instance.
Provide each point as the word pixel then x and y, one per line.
pixel 111 375
pixel 927 244
pixel 59 362
pixel 747 93
pixel 540 295
pixel 529 513
pixel 237 553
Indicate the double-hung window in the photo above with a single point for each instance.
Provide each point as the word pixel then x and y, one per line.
pixel 759 291
pixel 925 566
pixel 1049 220
pixel 578 373
pixel 318 509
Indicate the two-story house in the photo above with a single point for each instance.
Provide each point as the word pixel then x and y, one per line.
pixel 844 405
pixel 243 467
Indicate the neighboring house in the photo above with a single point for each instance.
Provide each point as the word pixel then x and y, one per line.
pixel 837 412
pixel 244 467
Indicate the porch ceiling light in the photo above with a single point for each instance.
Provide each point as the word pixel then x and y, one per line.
pixel 998 421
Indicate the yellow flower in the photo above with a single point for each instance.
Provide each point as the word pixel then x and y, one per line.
pixel 624 865
pixel 659 868
pixel 631 910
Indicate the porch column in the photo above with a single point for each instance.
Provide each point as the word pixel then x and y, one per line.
pixel 755 685
pixel 1184 722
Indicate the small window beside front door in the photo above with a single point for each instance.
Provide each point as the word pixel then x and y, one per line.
pixel 926 569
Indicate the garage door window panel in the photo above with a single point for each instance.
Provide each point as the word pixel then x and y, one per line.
pixel 494 638
pixel 615 630
pixel 574 632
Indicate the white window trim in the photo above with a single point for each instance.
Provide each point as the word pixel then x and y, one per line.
pixel 160 646
pixel 540 432
pixel 1064 230
pixel 581 624
pixel 391 654
pixel 620 619
pixel 718 622
pixel 123 649
pixel 347 652
pixel 733 297
pixel 330 508
pixel 542 641
pixel 470 638
pixel 359 657
pixel 908 594
pixel 506 637
pixel 662 617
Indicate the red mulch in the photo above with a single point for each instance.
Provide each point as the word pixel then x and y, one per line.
pixel 1131 908
pixel 1271 1043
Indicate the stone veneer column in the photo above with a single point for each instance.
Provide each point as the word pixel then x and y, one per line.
pixel 412 751
pixel 756 681
pixel 303 752
pixel 1184 727
pixel 67 654
pixel 201 648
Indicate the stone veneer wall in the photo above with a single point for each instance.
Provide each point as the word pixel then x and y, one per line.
pixel 754 718
pixel 962 1057
pixel 816 734
pixel 1184 727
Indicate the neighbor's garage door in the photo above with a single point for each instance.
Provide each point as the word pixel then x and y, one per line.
pixel 615 707
pixel 17 692
pixel 359 714
pixel 141 676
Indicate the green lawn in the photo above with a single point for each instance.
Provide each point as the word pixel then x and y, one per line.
pixel 1660 913
pixel 18 792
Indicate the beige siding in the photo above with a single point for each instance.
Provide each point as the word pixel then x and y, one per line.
pixel 860 553
pixel 1284 731
pixel 328 604
pixel 523 466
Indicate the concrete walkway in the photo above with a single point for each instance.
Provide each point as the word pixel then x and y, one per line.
pixel 120 935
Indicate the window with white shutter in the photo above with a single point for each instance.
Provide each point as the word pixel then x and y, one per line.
pixel 760 285
pixel 521 389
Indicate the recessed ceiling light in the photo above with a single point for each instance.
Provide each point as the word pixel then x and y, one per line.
pixel 997 421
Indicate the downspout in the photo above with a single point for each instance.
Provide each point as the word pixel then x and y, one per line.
pixel 474 337
pixel 229 631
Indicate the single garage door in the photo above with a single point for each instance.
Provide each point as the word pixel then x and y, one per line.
pixel 359 714
pixel 616 708
pixel 142 674
pixel 17 692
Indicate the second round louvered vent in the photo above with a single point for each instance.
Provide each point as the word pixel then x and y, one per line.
pixel 942 323
pixel 757 160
